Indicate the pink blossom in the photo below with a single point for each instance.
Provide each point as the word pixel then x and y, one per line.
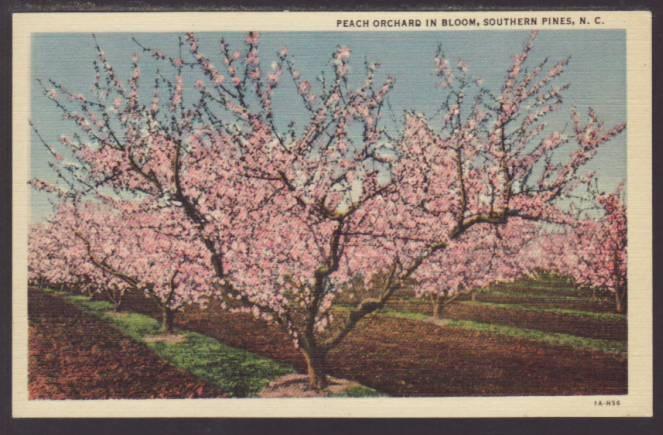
pixel 219 79
pixel 253 38
pixel 304 87
pixel 343 54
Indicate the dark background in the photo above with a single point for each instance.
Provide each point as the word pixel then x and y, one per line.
pixel 540 426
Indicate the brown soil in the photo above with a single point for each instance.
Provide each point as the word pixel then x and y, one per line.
pixel 296 385
pixel 578 304
pixel 407 358
pixel 544 321
pixel 74 355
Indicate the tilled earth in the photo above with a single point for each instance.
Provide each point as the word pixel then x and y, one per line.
pixel 74 355
pixel 413 358
pixel 544 321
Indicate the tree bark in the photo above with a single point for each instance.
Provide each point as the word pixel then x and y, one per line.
pixel 438 308
pixel 316 368
pixel 118 305
pixel 620 301
pixel 167 320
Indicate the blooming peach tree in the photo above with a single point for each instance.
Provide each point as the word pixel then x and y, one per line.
pixel 60 255
pixel 484 255
pixel 289 215
pixel 593 251
pixel 114 247
pixel 608 269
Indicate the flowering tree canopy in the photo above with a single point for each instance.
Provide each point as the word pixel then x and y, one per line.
pixel 217 192
pixel 482 256
pixel 593 251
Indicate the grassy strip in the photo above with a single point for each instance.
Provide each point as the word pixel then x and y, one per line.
pixel 611 317
pixel 513 295
pixel 551 338
pixel 520 295
pixel 238 372
pixel 360 391
pixel 595 315
pixel 537 288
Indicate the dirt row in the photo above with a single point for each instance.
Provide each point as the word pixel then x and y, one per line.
pixel 74 355
pixel 540 288
pixel 412 358
pixel 580 304
pixel 541 320
pixel 529 296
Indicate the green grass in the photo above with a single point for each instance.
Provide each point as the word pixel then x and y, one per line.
pixel 514 295
pixel 54 292
pixel 551 338
pixel 520 295
pixel 244 374
pixel 542 284
pixel 537 287
pixel 238 372
pixel 360 391
pixel 409 315
pixel 600 316
pixel 555 310
pixel 541 288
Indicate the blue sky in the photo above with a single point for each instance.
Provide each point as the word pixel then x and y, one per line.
pixel 597 73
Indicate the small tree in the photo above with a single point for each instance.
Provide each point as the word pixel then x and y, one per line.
pixel 60 258
pixel 134 250
pixel 482 256
pixel 592 251
pixel 601 249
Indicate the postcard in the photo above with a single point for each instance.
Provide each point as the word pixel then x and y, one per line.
pixel 332 214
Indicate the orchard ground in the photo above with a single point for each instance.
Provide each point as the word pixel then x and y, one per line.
pixel 526 338
pixel 74 355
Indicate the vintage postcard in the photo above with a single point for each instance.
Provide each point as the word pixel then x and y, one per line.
pixel 321 214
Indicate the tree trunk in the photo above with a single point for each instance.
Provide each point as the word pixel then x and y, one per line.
pixel 316 368
pixel 474 296
pixel 620 301
pixel 438 308
pixel 118 305
pixel 167 318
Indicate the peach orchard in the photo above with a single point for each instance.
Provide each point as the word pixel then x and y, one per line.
pixel 186 187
